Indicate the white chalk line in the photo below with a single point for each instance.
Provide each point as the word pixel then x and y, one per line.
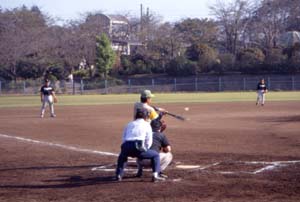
pixel 271 165
pixel 71 148
pixel 267 166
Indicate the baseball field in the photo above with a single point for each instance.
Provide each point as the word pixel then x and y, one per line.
pixel 227 150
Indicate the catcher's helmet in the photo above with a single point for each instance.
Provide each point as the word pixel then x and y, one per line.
pixel 156 125
pixel 142 113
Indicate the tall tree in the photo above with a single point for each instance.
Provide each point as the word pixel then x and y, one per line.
pixel 197 31
pixel 270 21
pixel 233 18
pixel 105 56
pixel 21 37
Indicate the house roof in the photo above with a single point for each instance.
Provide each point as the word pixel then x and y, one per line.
pixel 118 19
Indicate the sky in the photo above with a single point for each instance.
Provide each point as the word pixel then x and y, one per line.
pixel 170 10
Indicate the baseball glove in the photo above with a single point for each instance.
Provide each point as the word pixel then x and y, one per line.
pixel 163 125
pixel 55 100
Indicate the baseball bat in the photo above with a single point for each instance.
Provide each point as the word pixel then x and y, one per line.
pixel 181 118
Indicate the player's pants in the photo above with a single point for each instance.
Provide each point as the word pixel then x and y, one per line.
pixel 48 99
pixel 128 149
pixel 165 160
pixel 260 97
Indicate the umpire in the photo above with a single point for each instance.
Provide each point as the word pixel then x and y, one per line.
pixel 137 139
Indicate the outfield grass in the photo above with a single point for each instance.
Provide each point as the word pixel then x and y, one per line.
pixel 29 101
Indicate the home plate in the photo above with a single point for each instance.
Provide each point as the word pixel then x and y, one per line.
pixel 187 166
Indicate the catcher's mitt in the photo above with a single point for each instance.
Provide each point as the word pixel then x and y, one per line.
pixel 163 125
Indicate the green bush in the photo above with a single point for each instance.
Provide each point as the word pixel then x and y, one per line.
pixel 204 55
pixel 250 60
pixel 180 66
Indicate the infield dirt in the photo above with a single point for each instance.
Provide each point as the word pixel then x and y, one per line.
pixel 235 145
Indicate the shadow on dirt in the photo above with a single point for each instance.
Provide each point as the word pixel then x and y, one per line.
pixel 70 182
pixel 288 119
pixel 59 181
pixel 49 167
pixel 51 181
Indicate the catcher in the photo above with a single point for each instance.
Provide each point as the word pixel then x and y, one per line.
pixel 261 91
pixel 47 97
pixel 162 146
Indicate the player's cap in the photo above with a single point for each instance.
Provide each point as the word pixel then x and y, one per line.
pixel 47 80
pixel 141 113
pixel 156 125
pixel 146 94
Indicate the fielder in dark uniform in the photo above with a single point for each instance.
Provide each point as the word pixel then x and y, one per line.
pixel 261 91
pixel 47 97
pixel 161 145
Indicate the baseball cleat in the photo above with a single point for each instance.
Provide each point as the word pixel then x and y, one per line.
pixel 158 179
pixel 163 175
pixel 119 178
pixel 42 115
pixel 53 115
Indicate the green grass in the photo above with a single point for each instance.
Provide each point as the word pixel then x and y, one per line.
pixel 30 101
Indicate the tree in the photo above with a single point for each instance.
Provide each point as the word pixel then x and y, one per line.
pixel 28 69
pixel 162 47
pixel 293 58
pixel 250 60
pixel 275 60
pixel 293 21
pixel 224 63
pixel 180 66
pixel 203 55
pixel 233 19
pixel 269 22
pixel 21 35
pixel 197 31
pixel 105 56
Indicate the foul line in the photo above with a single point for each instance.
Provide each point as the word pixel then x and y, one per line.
pixel 72 148
pixel 271 165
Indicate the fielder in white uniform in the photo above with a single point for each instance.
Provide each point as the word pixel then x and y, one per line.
pixel 47 97
pixel 261 92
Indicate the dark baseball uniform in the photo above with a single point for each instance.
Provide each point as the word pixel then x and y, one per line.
pixel 261 90
pixel 47 98
pixel 159 141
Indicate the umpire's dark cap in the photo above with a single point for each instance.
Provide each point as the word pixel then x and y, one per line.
pixel 142 113
pixel 156 125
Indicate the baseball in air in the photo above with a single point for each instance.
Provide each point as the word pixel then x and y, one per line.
pixel 186 109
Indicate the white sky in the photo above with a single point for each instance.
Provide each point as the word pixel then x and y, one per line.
pixel 170 10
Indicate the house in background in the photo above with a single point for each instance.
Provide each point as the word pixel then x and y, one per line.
pixel 118 29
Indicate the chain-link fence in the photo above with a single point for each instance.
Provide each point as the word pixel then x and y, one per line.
pixel 160 84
